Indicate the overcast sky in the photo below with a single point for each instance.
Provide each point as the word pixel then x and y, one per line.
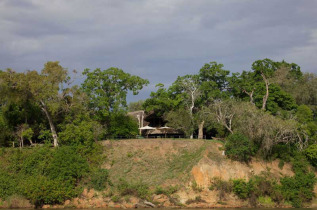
pixel 156 39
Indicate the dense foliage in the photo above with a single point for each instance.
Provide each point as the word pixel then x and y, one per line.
pixel 239 147
pixel 268 111
pixel 44 175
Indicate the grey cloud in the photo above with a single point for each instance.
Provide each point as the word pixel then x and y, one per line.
pixel 158 39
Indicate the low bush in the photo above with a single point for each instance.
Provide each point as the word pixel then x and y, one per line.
pixel 8 185
pixel 67 165
pixel 242 188
pixel 223 187
pixel 311 154
pixel 45 175
pixel 239 147
pixel 138 189
pixel 115 198
pixel 196 187
pixel 42 190
pixel 166 191
pixel 299 188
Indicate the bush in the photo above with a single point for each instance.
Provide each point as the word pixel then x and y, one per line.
pixel 196 187
pixel 242 188
pixel 221 186
pixel 67 165
pixel 239 147
pixel 311 154
pixel 122 126
pixel 44 175
pixel 41 190
pixel 138 189
pixel 166 191
pixel 115 198
pixel 299 188
pixel 99 179
pixel 300 164
pixel 281 164
pixel 8 185
pixel 81 132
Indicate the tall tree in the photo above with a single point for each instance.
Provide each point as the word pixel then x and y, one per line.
pixel 265 69
pixel 45 89
pixel 188 88
pixel 107 89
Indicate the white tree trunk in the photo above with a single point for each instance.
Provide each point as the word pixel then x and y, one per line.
pixel 53 130
pixel 201 130
pixel 266 96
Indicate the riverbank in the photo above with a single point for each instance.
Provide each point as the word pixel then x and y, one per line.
pixel 171 173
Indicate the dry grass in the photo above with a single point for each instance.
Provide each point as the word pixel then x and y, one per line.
pixel 16 201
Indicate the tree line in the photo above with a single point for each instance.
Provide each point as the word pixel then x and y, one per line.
pixel 272 103
pixel 44 106
pixel 269 111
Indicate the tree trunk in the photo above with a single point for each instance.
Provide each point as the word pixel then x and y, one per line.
pixel 250 94
pixel 53 130
pixel 21 142
pixel 201 130
pixel 266 96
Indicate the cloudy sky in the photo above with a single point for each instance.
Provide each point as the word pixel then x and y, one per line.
pixel 156 39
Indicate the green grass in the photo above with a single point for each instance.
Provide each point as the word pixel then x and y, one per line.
pixel 180 165
pixel 131 162
pixel 266 201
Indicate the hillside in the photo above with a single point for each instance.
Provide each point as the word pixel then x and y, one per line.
pixel 165 162
pixel 177 172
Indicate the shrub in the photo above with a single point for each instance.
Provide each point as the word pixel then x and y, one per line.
pixel 239 147
pixel 242 188
pixel 41 190
pixel 266 201
pixel 196 187
pixel 281 164
pixel 166 191
pixel 300 164
pixel 221 186
pixel 67 165
pixel 115 198
pixel 99 179
pixel 311 154
pixel 123 126
pixel 283 152
pixel 138 189
pixel 8 185
pixel 299 188
pixel 43 175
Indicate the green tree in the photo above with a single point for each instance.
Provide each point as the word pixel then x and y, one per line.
pixel 162 101
pixel 180 119
pixel 304 114
pixel 122 126
pixel 45 89
pixel 264 69
pixel 214 82
pixel 107 89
